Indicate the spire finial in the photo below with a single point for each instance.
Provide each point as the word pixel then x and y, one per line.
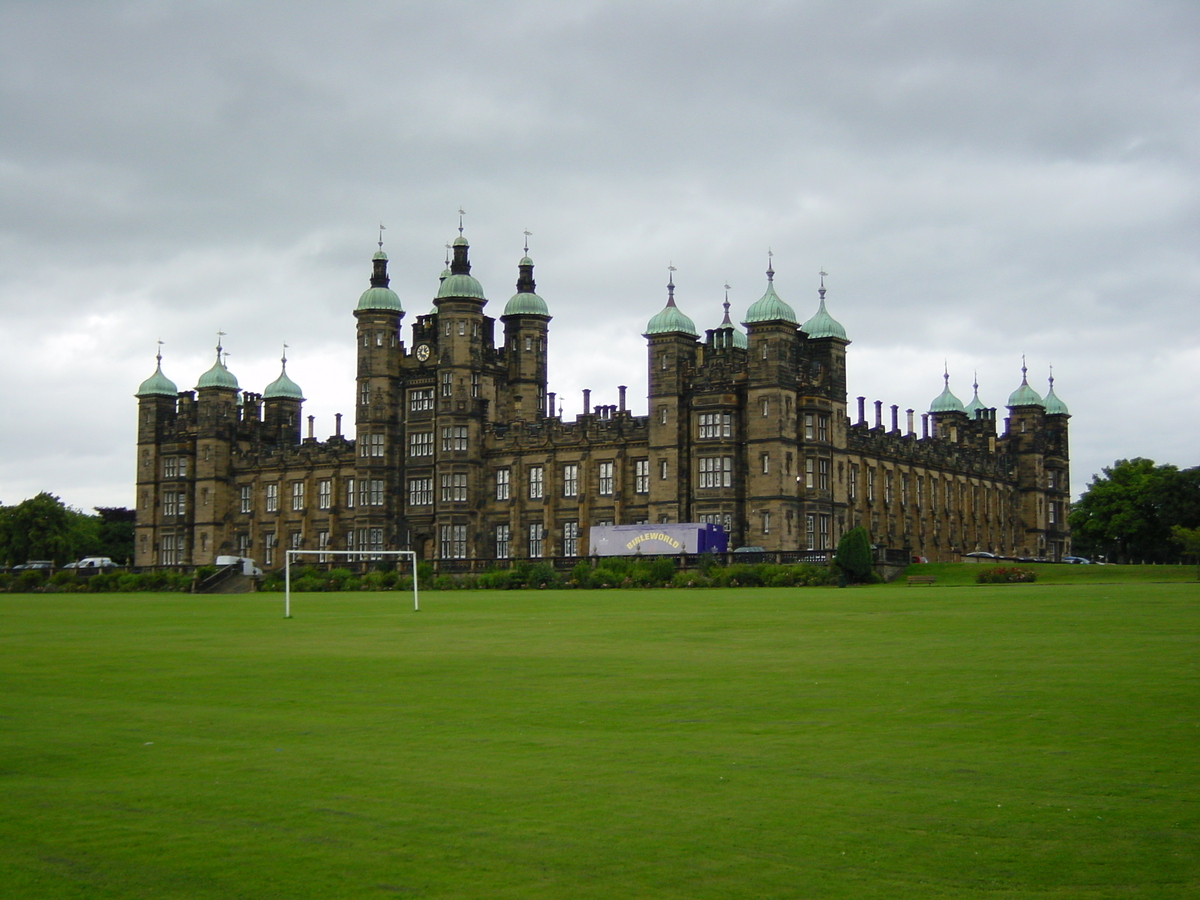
pixel 1024 370
pixel 382 229
pixel 461 212
pixel 158 356
pixel 770 265
pixel 727 320
pixel 976 384
pixel 220 334
pixel 283 359
pixel 528 234
pixel 946 373
pixel 821 290
pixel 671 284
pixel 447 254
pixel 1051 376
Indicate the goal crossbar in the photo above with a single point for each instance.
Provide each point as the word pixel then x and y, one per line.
pixel 374 554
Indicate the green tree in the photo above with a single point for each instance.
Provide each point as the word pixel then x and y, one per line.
pixel 43 528
pixel 1189 540
pixel 115 529
pixel 1127 512
pixel 854 555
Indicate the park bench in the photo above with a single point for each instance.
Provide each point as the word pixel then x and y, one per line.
pixel 921 579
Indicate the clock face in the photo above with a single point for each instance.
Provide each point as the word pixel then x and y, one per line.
pixel 423 352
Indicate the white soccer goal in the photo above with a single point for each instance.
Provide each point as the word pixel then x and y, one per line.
pixel 374 554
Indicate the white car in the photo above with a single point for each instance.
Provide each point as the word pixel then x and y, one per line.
pixel 92 562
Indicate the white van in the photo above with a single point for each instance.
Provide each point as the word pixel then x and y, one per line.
pixel 92 562
pixel 248 566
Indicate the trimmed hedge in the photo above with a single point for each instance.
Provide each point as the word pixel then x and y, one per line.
pixel 607 573
pixel 68 582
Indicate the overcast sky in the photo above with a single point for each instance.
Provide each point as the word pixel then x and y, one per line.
pixel 981 181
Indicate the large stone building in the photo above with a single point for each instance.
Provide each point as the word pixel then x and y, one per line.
pixel 458 453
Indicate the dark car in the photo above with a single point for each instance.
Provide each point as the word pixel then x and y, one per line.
pixel 35 564
pixel 981 554
pixel 1077 560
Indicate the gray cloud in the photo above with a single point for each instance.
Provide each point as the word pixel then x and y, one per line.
pixel 981 181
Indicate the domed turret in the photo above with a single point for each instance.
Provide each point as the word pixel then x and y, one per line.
pixel 946 402
pixel 671 320
pixel 158 384
pixel 460 284
pixel 218 376
pixel 283 388
pixel 976 404
pixel 822 324
pixel 1055 406
pixel 1025 395
pixel 379 295
pixel 769 308
pixel 525 302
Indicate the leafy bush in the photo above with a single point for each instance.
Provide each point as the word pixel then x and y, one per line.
pixel 1005 575
pixel 854 557
pixel 28 581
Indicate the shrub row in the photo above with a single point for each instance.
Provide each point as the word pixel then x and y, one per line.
pixel 103 582
pixel 614 572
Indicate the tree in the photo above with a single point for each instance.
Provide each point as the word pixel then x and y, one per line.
pixel 1189 540
pixel 116 532
pixel 1127 512
pixel 41 528
pixel 854 556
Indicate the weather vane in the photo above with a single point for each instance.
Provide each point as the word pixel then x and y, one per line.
pixel 528 235
pixel 382 229
pixel 461 212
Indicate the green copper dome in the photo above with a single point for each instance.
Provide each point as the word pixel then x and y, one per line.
pixel 975 404
pixel 823 325
pixel 461 286
pixel 218 376
pixel 157 385
pixel 283 388
pixel 379 298
pixel 769 308
pixel 671 320
pixel 1054 406
pixel 946 402
pixel 526 305
pixel 526 302
pixel 1025 395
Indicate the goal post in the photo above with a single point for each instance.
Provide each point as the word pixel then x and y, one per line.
pixel 373 554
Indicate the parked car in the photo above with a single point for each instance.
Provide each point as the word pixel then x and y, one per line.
pixel 981 554
pixel 35 564
pixel 248 566
pixel 92 562
pixel 1077 560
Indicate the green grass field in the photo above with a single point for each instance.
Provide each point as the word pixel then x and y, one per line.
pixel 1010 741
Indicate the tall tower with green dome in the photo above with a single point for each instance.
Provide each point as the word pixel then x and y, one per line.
pixel 379 395
pixel 526 321
pixel 672 353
